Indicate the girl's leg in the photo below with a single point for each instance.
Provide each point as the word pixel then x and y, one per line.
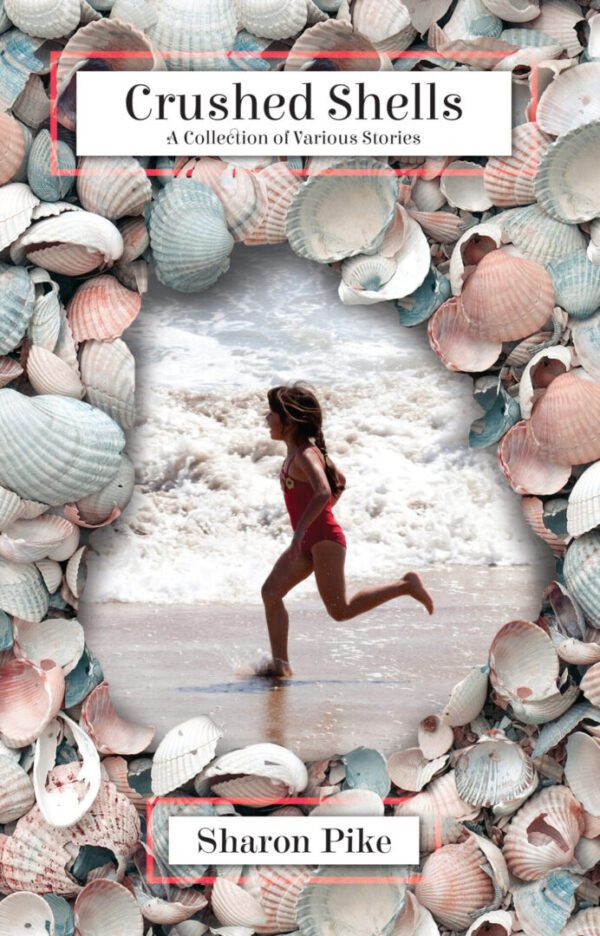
pixel 329 559
pixel 287 572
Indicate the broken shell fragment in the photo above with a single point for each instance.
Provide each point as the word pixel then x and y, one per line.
pixel 30 697
pixel 183 753
pixel 110 733
pixel 64 804
pixel 543 834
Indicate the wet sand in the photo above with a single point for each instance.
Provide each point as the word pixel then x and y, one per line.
pixel 366 681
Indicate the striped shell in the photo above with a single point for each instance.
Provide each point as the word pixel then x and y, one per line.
pixel 540 237
pixel 509 180
pixel 273 19
pixel 583 510
pixel 581 567
pixel 567 186
pixel 369 909
pixel 47 183
pixel 576 284
pixel 566 103
pixel 565 422
pixel 17 297
pixel 269 761
pixel 494 772
pixel 94 510
pixel 454 885
pixel 108 375
pixel 48 374
pixel 186 31
pixel 581 770
pixel 543 834
pixel 17 202
pixel 110 733
pixel 102 309
pixel 47 18
pixel 12 146
pixel 113 186
pixel 58 639
pixel 79 242
pixel 30 697
pixel 16 791
pixel 106 908
pixel 22 591
pixel 183 752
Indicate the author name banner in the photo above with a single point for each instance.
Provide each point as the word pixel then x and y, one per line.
pixel 217 840
pixel 290 113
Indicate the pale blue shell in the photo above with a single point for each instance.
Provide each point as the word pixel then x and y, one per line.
pixel 420 305
pixel 26 597
pixel 576 284
pixel 582 574
pixel 546 903
pixel 56 449
pixel 21 50
pixel 43 182
pixel 12 82
pixel 554 189
pixel 246 42
pixel 160 837
pixel 540 237
pixel 553 732
pixel 366 769
pixel 527 38
pixel 317 913
pixel 6 632
pixel 501 412
pixel 85 677
pixel 189 237
pixel 17 297
pixel 64 921
pixel 586 338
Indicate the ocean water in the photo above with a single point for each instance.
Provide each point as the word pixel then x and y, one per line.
pixel 207 520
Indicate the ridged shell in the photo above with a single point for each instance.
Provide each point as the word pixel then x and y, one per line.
pixel 32 107
pixel 334 36
pixel 454 342
pixel 113 186
pixel 79 447
pixel 540 237
pixel 159 834
pixel 58 639
pixel 12 146
pixel 189 237
pixel 17 297
pixel 26 912
pixel 10 507
pixel 281 186
pixel 277 889
pixel 544 906
pixel 525 468
pixel 356 802
pixel 80 241
pixel 37 854
pixel 584 923
pixel 16 791
pixel 467 698
pixel 586 338
pixel 495 771
pixel 183 752
pixel 443 226
pixel 22 591
pixel 270 761
pixel 581 567
pixel 185 31
pixel 9 371
pixel 135 238
pixel 566 103
pixel 567 186
pixel 106 908
pixel 45 183
pixel 30 697
pixel 507 297
pixel 543 834
pixel 94 510
pixel 108 374
pixel 137 13
pixel 583 511
pixel 435 736
pixel 523 662
pixel 17 202
pixel 63 805
pixel 233 907
pixel 117 770
pixel 243 194
pixel 565 422
pixel 102 309
pixel 532 509
pixel 47 18
pixel 272 19
pixel 410 770
pixel 387 23
pixel 47 373
pixel 576 284
pixel 454 885
pixel 111 733
pixel 465 190
pixel 509 180
pixel 325 909
pixel 557 19
pixel 338 216
pixel 477 241
pixel 441 812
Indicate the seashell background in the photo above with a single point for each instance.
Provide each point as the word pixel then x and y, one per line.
pixel 503 265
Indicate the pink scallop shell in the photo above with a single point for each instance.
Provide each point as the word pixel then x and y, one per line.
pixel 525 468
pixel 565 422
pixel 543 834
pixel 102 308
pixel 455 343
pixel 454 885
pixel 30 697
pixel 110 733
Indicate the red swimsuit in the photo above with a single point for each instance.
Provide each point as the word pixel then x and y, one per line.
pixel 297 494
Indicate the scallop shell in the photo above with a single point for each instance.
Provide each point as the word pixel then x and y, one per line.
pixel 26 912
pixel 10 507
pixel 30 697
pixel 387 23
pixel 106 908
pixel 233 907
pixel 183 753
pixel 454 342
pixel 333 217
pixel 32 106
pixel 277 889
pixel 566 103
pixel 110 733
pixel 45 18
pixel 509 180
pixel 470 248
pixel 540 711
pixel 113 186
pixel 16 791
pixel 116 769
pixel 543 834
pixel 137 13
pixel 443 226
pixel 526 469
pixel 186 31
pixel 454 885
pixel 427 196
pixel 435 736
pixel 22 591
pixel 17 202
pixel 465 190
pixel 514 11
pixel 79 242
pixel 369 909
pixel 467 698
pixel 243 194
pixel 586 339
pixel 523 662
pixel 532 509
pixel 47 373
pixel 544 906
pixel 583 511
pixel 540 237
pixel 565 424
pixel 9 371
pixel 553 733
pixel 584 923
pixel 102 309
pixel 135 238
pixel 268 761
pixel 189 236
pixel 58 639
pixel 51 573
pixel 108 374
pixel 16 306
pixel 272 19
pixel 46 183
pixel 494 772
pixel 334 36
pixel 95 509
pixel 566 185
pixel 162 812
pixel 557 19
pixel 581 574
pixel 281 186
pixel 543 367
pixel 64 805
pixel 576 284
pixel 12 147
pixel 356 802
pixel 441 812
pixel 45 323
pixel 410 770
pixel 58 449
pixel 38 855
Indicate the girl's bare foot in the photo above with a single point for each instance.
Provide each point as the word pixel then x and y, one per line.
pixel 418 590
pixel 275 669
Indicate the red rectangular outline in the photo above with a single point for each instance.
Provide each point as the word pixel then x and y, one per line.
pixel 284 801
pixel 55 56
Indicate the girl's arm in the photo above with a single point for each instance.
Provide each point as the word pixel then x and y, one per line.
pixel 316 477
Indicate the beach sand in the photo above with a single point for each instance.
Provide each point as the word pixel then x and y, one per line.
pixel 367 681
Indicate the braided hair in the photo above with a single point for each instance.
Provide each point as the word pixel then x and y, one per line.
pixel 299 406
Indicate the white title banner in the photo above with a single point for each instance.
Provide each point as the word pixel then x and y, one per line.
pixel 293 113
pixel 280 840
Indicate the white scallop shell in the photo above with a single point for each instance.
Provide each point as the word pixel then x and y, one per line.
pixel 16 791
pixel 467 190
pixel 387 23
pixel 10 507
pixel 183 753
pixel 186 31
pixel 538 236
pixel 32 107
pixel 567 103
pixel 17 202
pixel 273 19
pixel 270 761
pixel 48 18
pixel 467 698
pixel 493 772
pixel 47 373
pixel 524 664
pixel 108 375
pixel 30 697
pixel 113 186
pixel 94 510
pixel 355 802
pixel 22 591
pixel 410 770
pixel 543 834
pixel 26 912
pixel 81 242
pixel 566 185
pixel 58 639
pixel 582 770
pixel 583 509
pixel 106 908
pixel 110 733
pixel 435 736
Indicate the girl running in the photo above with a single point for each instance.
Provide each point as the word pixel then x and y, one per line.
pixel 311 485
